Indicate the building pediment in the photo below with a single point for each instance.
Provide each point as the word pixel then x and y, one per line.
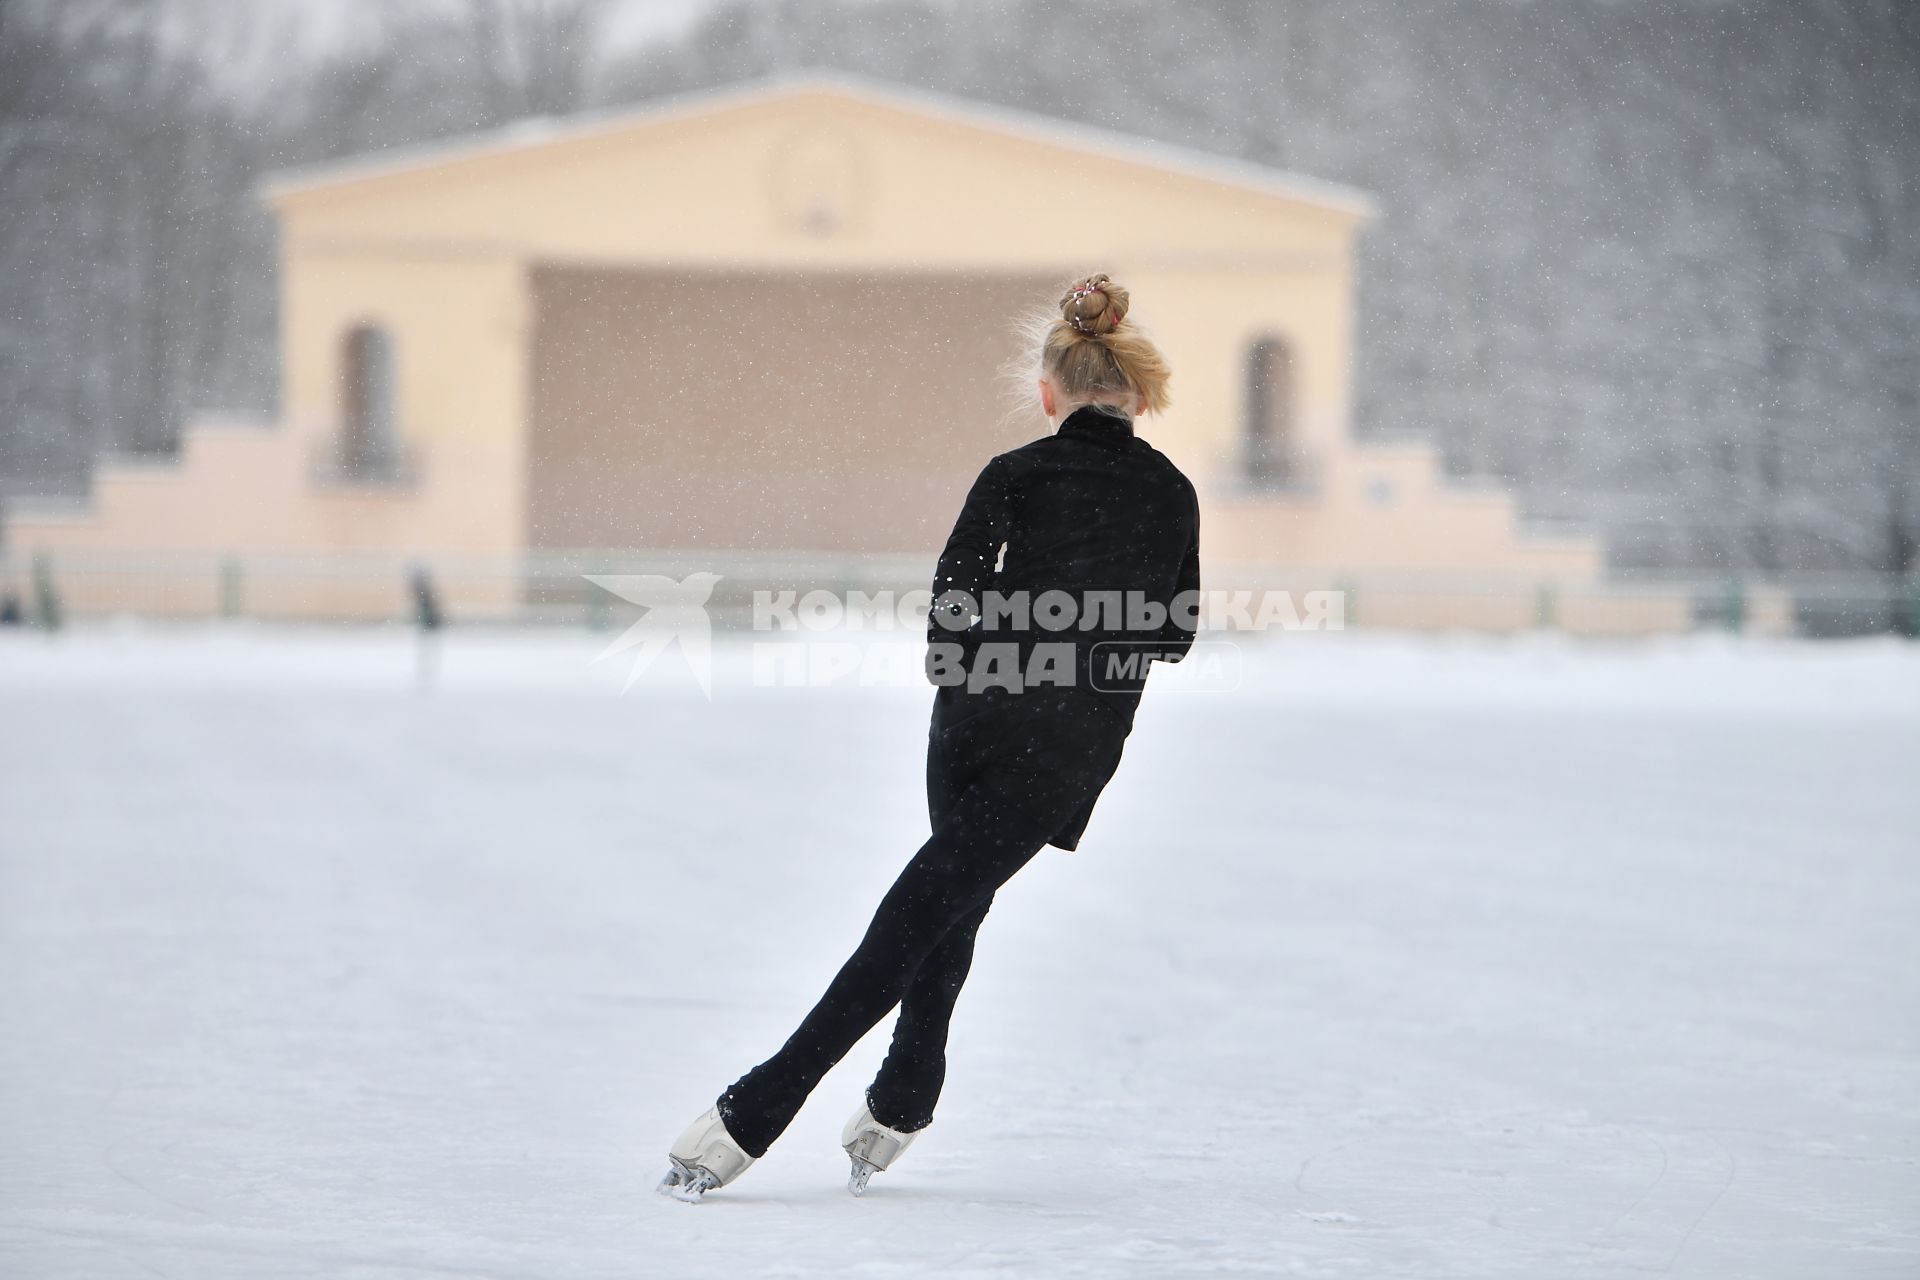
pixel 813 170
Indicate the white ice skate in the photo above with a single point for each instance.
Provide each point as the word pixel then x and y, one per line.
pixel 704 1157
pixel 871 1146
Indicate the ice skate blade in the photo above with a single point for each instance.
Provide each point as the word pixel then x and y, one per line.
pixel 858 1175
pixel 689 1186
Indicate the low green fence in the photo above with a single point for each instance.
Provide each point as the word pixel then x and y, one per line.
pixel 44 590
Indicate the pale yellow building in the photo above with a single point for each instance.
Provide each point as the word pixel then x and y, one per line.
pixel 723 322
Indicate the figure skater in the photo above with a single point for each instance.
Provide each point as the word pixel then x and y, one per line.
pixel 1039 659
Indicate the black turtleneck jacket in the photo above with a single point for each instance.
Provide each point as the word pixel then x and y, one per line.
pixel 1090 510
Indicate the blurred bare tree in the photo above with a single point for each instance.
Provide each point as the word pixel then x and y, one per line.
pixel 534 57
pixel 120 171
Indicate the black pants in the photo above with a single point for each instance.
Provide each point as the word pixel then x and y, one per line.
pixel 1003 775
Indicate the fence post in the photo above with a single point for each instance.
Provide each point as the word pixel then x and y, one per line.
pixel 426 599
pixel 1543 605
pixel 1350 609
pixel 232 588
pixel 46 593
pixel 427 619
pixel 1733 605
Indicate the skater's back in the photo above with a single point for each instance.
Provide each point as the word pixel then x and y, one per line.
pixel 1100 529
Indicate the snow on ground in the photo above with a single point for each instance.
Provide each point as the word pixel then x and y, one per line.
pixel 1409 957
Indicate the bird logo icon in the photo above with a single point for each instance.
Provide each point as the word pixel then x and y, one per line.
pixel 674 611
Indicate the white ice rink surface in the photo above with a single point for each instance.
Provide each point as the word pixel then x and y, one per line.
pixel 1423 958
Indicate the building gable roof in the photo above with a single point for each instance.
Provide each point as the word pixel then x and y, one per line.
pixel 337 176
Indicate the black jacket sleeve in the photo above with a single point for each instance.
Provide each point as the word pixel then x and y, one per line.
pixel 973 548
pixel 1174 639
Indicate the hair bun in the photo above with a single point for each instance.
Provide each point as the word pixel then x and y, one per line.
pixel 1094 305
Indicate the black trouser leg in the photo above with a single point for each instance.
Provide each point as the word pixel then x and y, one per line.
pixel 906 1089
pixel 987 836
pixel 905 1092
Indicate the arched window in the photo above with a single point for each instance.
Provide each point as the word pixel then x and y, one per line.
pixel 369 444
pixel 1267 438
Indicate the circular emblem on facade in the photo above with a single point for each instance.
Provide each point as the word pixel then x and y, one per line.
pixel 818 180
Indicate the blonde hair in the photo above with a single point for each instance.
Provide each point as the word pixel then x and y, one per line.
pixel 1089 349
